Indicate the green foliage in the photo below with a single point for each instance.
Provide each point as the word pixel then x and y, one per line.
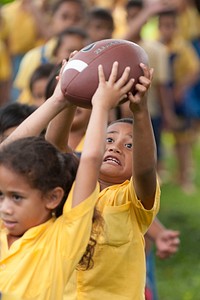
pixel 2 2
pixel 178 278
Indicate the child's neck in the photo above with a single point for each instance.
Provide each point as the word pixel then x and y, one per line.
pixel 11 239
pixel 103 184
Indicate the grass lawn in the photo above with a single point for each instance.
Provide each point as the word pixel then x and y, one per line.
pixel 178 278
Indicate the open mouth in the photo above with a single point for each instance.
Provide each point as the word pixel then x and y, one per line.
pixel 112 160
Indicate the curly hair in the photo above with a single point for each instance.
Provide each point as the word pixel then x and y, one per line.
pixel 43 166
pixel 86 261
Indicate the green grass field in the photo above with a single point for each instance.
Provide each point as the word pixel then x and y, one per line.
pixel 178 278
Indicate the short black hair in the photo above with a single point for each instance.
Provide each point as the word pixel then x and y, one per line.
pixel 122 120
pixel 13 114
pixel 134 3
pixel 56 4
pixel 71 31
pixel 42 164
pixel 100 13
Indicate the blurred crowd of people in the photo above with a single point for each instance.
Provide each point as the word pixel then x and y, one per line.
pixel 35 36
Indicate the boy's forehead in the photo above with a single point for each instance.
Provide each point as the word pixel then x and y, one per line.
pixel 120 127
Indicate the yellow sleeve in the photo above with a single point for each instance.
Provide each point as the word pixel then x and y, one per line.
pixel 187 62
pixel 77 226
pixel 25 97
pixel 29 63
pixel 79 148
pixel 5 63
pixel 145 216
pixel 68 204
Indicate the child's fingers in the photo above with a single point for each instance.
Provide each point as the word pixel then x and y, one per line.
pixel 124 78
pixel 101 74
pixel 127 87
pixel 145 70
pixel 151 73
pixel 148 72
pixel 72 54
pixel 114 72
pixel 142 88
pixel 144 82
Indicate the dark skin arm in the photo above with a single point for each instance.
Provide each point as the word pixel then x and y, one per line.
pixel 144 153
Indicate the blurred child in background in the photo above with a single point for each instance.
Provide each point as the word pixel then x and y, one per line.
pixel 184 71
pixel 11 116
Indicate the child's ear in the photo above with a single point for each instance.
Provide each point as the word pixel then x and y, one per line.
pixel 54 198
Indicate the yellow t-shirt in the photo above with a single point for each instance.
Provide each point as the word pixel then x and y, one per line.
pixel 39 264
pixel 30 61
pixel 79 148
pixel 119 260
pixel 5 63
pixel 189 23
pixel 21 28
pixel 186 60
pixel 158 60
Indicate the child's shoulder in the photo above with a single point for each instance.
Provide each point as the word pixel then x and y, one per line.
pixel 117 194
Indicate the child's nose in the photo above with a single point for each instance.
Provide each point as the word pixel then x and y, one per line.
pixel 5 206
pixel 114 149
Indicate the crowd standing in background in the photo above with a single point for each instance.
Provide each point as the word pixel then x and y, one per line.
pixel 38 34
pixel 35 36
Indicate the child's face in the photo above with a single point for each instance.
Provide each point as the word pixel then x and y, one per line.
pixel 21 206
pixel 132 13
pixel 99 30
pixel 68 45
pixel 68 14
pixel 38 91
pixel 117 161
pixel 168 28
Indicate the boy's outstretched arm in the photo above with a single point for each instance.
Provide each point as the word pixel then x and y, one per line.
pixel 144 147
pixel 107 96
pixel 58 129
pixel 40 118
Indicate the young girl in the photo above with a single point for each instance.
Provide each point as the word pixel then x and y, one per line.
pixel 128 201
pixel 39 247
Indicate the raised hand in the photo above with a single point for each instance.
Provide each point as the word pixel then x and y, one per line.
pixel 139 101
pixel 58 94
pixel 109 93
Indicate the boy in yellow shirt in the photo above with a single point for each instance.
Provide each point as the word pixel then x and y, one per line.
pixel 182 59
pixel 128 201
pixel 40 244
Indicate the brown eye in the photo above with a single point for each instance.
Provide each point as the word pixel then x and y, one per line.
pixel 109 140
pixel 16 197
pixel 129 146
